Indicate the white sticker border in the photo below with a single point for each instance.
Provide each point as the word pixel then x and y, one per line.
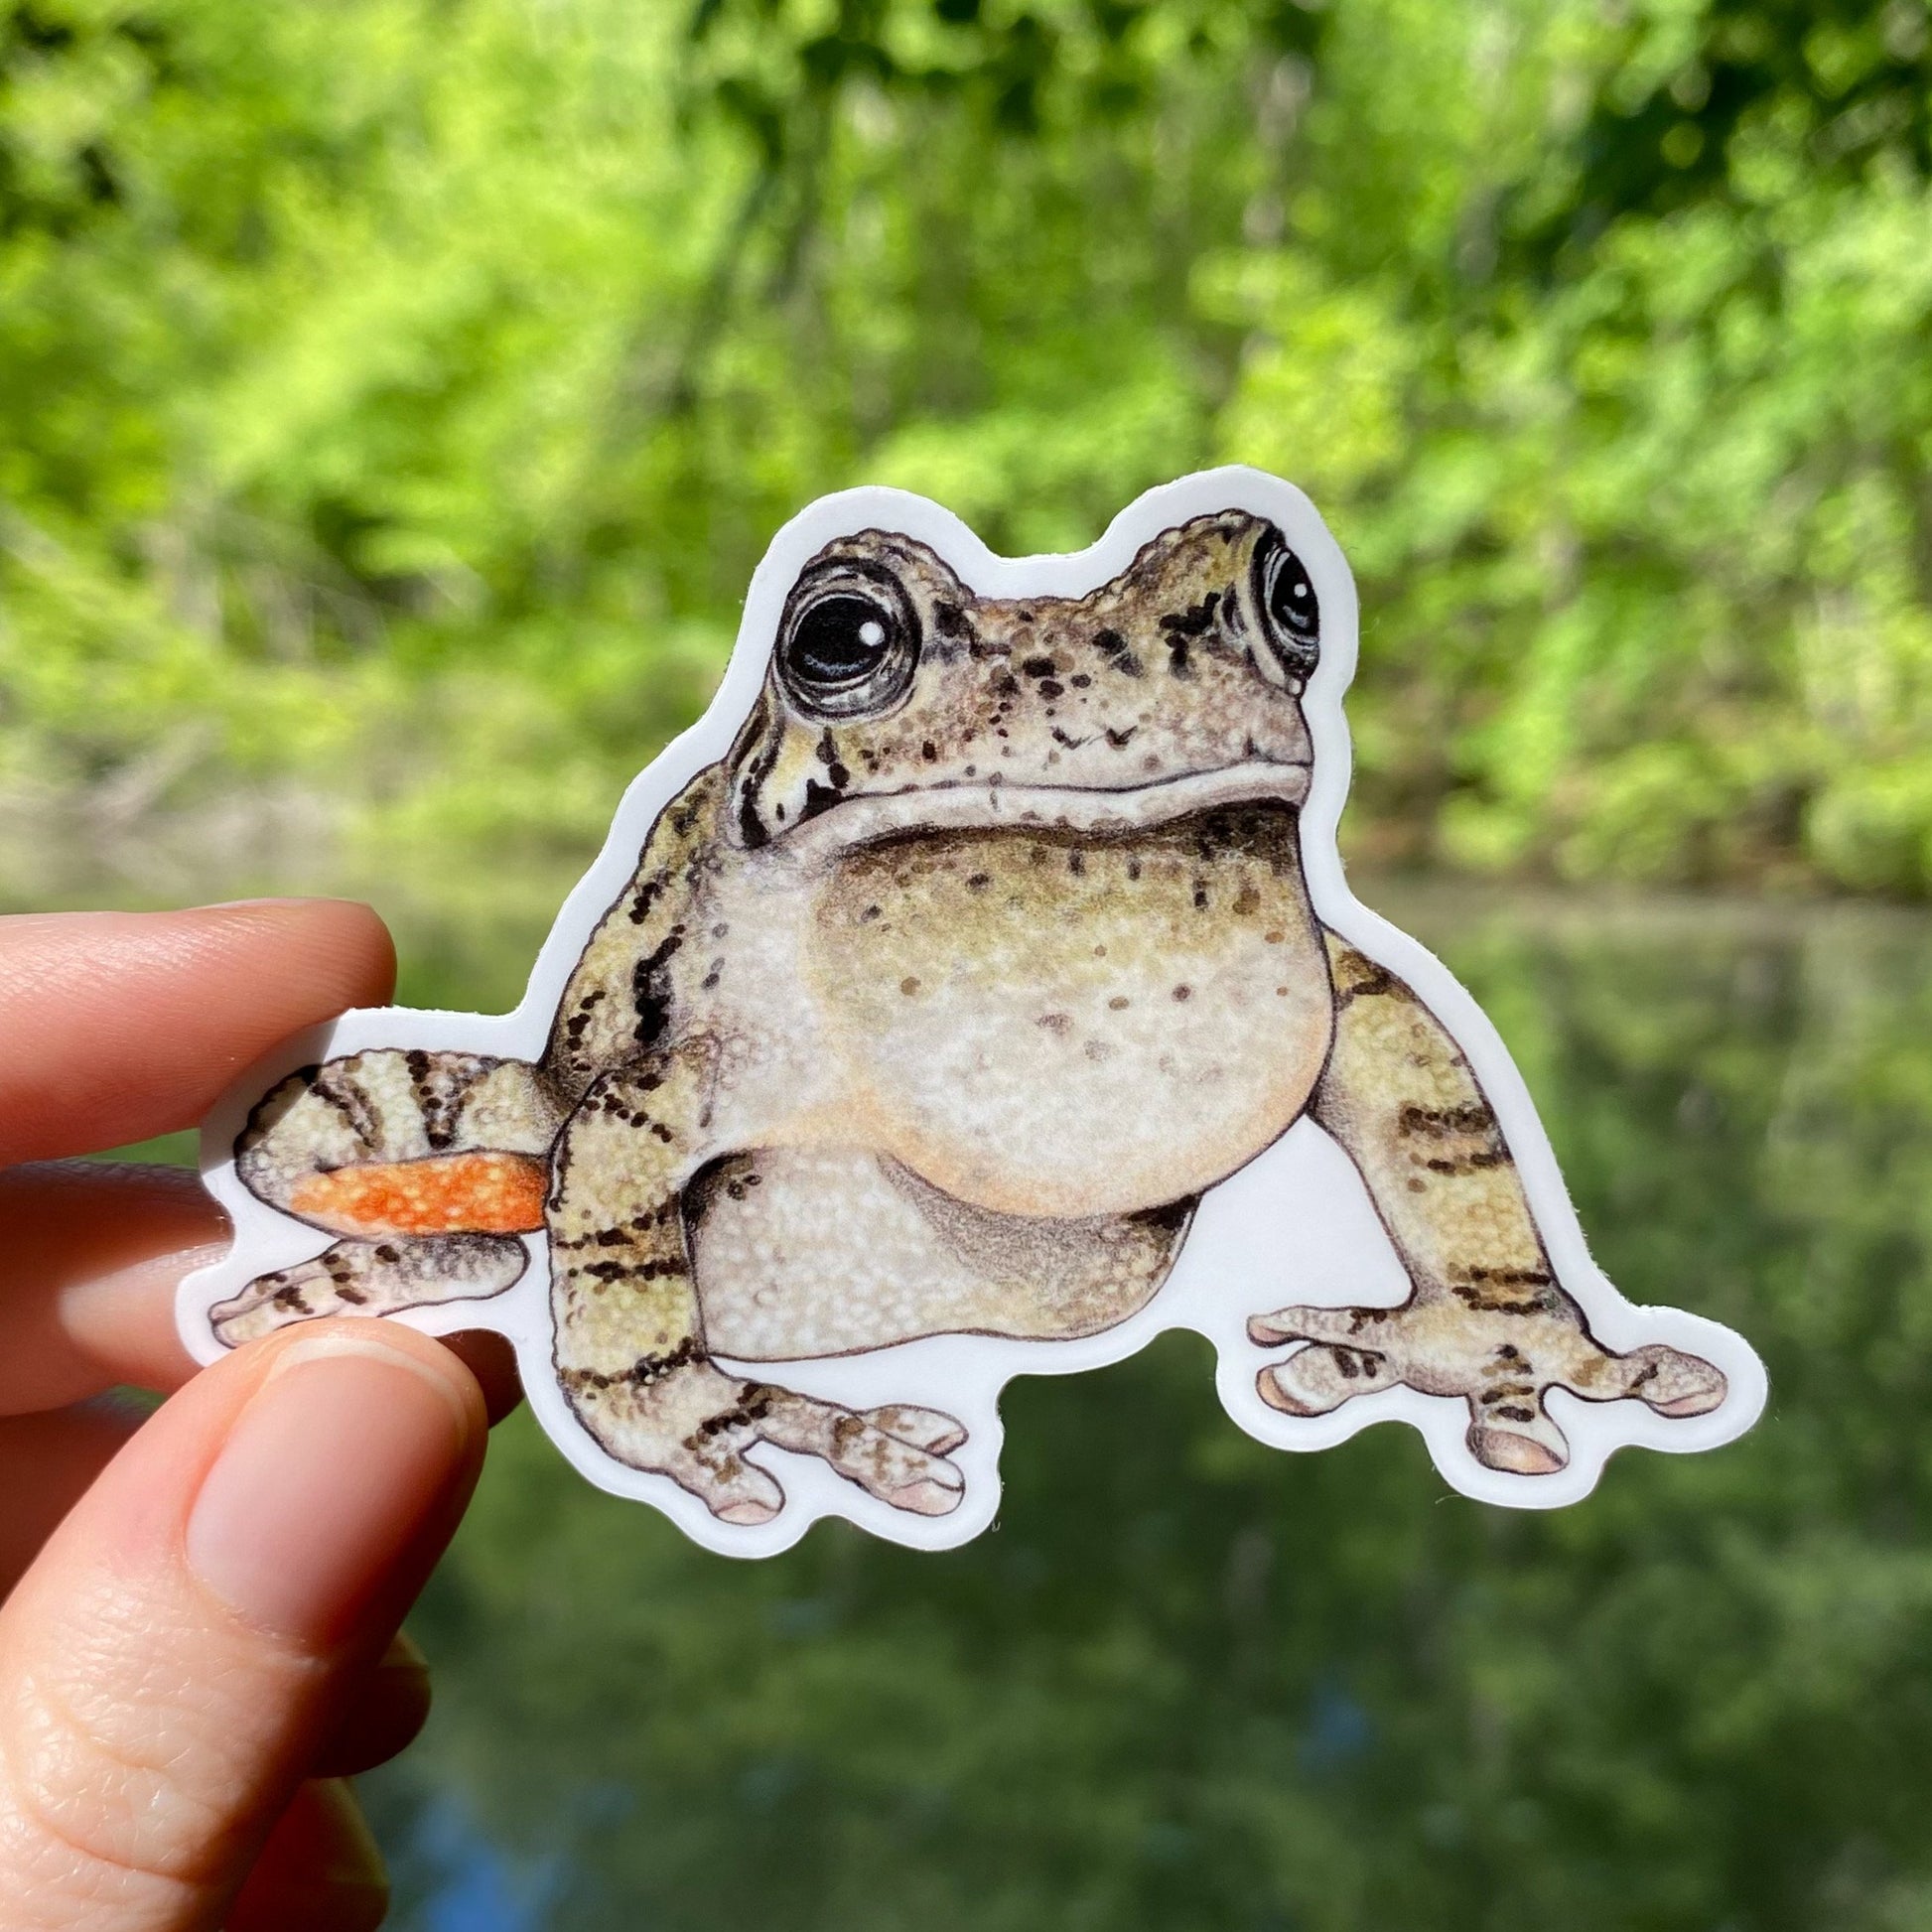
pixel 1247 1252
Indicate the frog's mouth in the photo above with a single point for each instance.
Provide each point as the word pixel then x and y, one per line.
pixel 863 818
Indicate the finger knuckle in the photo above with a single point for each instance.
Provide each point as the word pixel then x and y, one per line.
pixel 120 1772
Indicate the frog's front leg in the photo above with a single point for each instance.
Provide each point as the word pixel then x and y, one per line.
pixel 630 1351
pixel 429 1167
pixel 1487 1321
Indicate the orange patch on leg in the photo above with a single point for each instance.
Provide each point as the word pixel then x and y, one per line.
pixel 451 1193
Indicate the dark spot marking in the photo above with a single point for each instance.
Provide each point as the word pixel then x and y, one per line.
pixel 1174 1216
pixel 819 798
pixel 1436 1122
pixel 751 829
pixel 950 620
pixel 648 894
pixel 1192 623
pixel 1375 982
pixel 650 994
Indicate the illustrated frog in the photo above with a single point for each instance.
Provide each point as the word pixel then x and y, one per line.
pixel 933 1007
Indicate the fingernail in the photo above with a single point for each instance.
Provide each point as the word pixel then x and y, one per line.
pixel 230 905
pixel 357 1861
pixel 340 1457
pixel 321 1871
pixel 403 1653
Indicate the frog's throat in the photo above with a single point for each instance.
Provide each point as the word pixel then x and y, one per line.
pixel 861 818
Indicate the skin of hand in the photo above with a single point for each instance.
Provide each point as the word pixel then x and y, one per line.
pixel 199 1638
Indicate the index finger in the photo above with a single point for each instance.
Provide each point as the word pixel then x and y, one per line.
pixel 119 1026
pixel 90 1255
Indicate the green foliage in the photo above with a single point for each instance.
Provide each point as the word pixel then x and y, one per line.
pixel 395 396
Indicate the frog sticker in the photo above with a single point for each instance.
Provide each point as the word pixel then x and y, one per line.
pixel 974 991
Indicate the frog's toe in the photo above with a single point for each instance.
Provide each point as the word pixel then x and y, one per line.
pixel 1517 1436
pixel 1322 1377
pixel 733 1490
pixel 932 1430
pixel 692 1432
pixel 268 1303
pixel 927 1497
pixel 1352 1326
pixel 1673 1383
pixel 748 1511
pixel 896 1471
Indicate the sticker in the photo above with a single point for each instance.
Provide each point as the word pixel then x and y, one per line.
pixel 974 991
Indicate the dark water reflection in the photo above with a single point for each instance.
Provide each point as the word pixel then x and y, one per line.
pixel 1190 1683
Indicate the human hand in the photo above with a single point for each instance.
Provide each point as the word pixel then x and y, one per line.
pixel 200 1639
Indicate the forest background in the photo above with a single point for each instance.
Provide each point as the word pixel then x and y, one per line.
pixel 396 395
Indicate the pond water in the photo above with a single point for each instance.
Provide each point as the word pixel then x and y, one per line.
pixel 1189 1683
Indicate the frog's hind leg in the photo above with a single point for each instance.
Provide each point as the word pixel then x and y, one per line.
pixel 430 1167
pixel 633 1351
pixel 1487 1321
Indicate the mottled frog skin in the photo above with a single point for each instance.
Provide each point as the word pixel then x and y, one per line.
pixel 934 1007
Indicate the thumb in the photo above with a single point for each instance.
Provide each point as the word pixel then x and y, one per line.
pixel 179 1650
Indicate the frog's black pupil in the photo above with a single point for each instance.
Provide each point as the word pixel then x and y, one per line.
pixel 839 639
pixel 1292 602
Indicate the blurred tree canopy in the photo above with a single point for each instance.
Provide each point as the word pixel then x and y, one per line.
pixel 395 396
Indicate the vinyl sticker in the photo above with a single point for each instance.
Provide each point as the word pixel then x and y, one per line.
pixel 974 991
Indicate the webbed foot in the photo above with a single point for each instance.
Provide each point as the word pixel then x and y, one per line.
pixel 376 1277
pixel 693 1423
pixel 1502 1357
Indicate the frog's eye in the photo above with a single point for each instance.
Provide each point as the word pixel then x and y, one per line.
pixel 849 643
pixel 1291 614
